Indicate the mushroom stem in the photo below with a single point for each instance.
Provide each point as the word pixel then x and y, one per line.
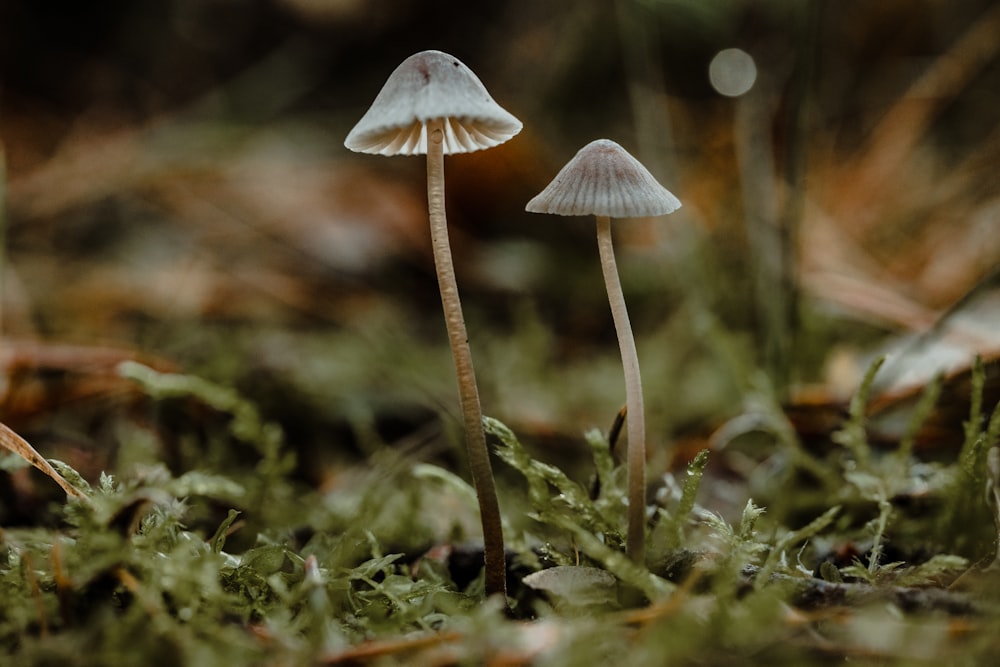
pixel 635 545
pixel 479 458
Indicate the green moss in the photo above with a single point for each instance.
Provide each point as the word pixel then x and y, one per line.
pixel 235 560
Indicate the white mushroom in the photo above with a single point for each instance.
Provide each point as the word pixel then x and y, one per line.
pixel 427 87
pixel 603 180
pixel 432 103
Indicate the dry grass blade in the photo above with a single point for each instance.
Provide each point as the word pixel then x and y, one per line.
pixel 11 441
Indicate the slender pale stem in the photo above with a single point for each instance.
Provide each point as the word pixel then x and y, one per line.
pixel 635 545
pixel 479 458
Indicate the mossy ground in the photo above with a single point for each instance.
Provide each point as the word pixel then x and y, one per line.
pixel 212 542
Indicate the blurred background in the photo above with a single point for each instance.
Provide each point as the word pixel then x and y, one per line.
pixel 177 191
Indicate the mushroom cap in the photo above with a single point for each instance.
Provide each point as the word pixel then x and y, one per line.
pixel 604 179
pixel 427 86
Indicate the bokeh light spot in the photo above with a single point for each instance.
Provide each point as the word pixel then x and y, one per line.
pixel 732 72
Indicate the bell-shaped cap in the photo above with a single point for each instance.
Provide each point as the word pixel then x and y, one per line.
pixel 604 179
pixel 427 86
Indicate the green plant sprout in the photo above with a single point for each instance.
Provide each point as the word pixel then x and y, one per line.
pixel 433 104
pixel 852 435
pixel 790 539
pixel 969 500
pixel 671 525
pixel 605 181
pixel 571 510
pixel 993 491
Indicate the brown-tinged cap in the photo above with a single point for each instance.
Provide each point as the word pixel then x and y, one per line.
pixel 604 179
pixel 427 86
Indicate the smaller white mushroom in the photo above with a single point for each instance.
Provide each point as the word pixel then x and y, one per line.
pixel 605 181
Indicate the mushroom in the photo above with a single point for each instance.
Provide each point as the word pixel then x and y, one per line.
pixel 433 104
pixel 603 180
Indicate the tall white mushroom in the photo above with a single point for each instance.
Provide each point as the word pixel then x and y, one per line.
pixel 433 104
pixel 605 181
